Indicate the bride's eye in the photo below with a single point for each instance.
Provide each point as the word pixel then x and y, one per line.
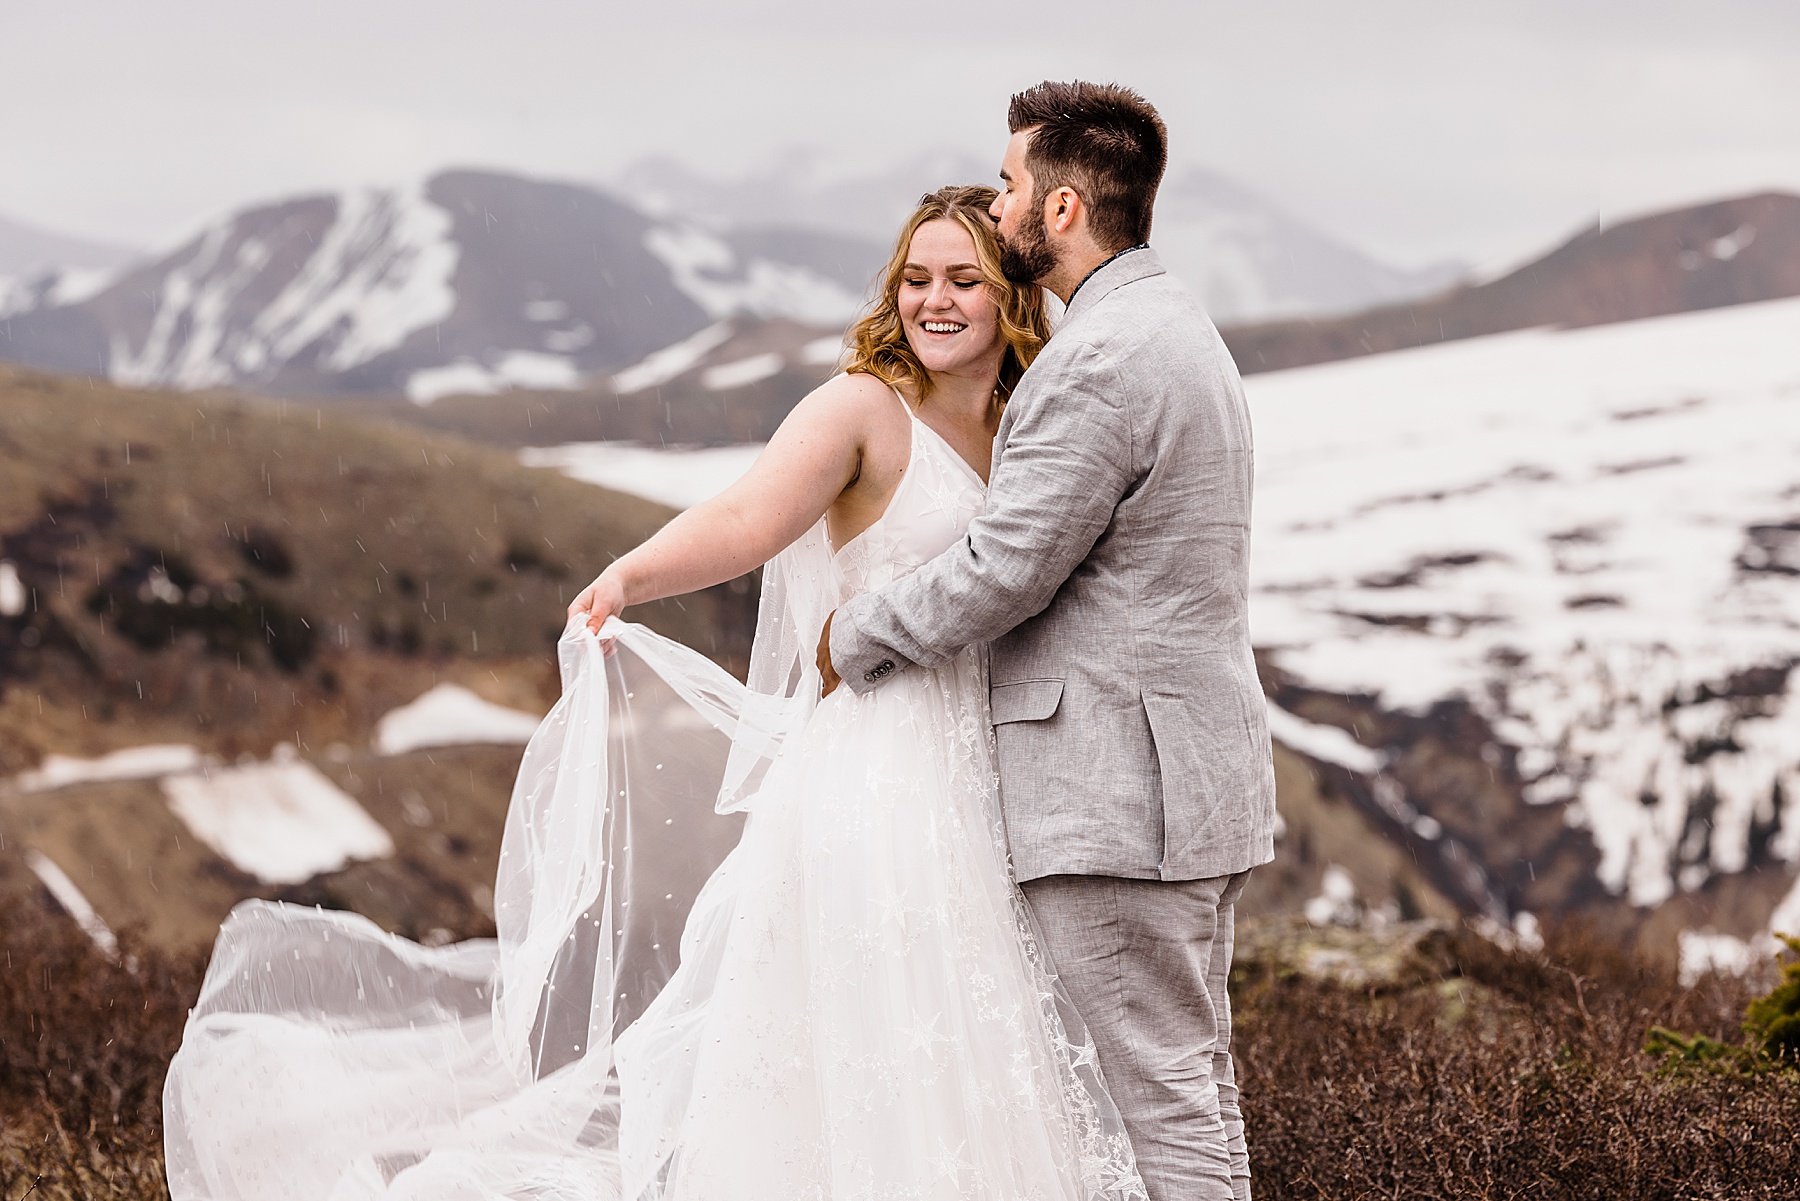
pixel 917 283
pixel 966 284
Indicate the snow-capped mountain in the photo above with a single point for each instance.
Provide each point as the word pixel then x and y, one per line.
pixel 471 281
pixel 1245 256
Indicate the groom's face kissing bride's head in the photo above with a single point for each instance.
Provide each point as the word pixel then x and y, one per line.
pixel 1080 173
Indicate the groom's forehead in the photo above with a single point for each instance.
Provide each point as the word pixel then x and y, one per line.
pixel 1013 162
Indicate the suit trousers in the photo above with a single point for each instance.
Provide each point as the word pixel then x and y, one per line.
pixel 1146 962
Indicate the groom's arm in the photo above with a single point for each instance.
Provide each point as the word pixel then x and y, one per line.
pixel 1064 466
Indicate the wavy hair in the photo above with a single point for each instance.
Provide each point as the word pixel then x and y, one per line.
pixel 878 344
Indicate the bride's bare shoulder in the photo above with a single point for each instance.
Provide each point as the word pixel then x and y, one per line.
pixel 855 400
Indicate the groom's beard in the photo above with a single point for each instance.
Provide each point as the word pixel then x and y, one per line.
pixel 1028 259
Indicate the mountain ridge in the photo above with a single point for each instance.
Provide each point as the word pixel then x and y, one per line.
pixel 1730 251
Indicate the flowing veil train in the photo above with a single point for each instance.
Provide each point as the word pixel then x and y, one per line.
pixel 646 933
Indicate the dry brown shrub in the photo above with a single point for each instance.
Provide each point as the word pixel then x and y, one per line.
pixel 1523 1076
pixel 84 1043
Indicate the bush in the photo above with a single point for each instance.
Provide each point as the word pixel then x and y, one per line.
pixel 1771 1031
pixel 84 1044
pixel 1517 1075
pixel 1523 1075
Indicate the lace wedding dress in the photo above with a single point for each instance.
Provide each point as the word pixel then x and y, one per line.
pixel 752 945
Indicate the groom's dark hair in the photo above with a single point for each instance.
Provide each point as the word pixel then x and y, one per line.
pixel 1101 139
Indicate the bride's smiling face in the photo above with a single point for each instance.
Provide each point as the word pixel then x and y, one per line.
pixel 946 305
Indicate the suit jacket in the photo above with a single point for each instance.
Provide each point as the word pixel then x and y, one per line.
pixel 1109 571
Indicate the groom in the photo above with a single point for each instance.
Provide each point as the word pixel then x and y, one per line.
pixel 1109 573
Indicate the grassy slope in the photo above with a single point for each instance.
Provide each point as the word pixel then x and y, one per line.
pixel 342 564
pixel 329 570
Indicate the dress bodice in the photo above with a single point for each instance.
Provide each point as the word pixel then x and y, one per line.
pixel 938 495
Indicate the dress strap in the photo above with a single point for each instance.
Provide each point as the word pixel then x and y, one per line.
pixel 901 397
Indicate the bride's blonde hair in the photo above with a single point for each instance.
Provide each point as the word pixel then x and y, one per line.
pixel 877 343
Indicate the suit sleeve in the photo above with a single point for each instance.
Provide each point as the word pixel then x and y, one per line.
pixel 1064 465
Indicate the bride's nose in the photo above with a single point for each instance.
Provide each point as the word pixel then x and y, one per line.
pixel 938 297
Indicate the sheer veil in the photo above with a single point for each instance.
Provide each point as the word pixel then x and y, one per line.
pixel 328 1060
pixel 486 1068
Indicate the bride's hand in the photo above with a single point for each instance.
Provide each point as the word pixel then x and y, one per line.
pixel 603 598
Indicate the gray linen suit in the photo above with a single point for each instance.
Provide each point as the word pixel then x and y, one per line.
pixel 1109 574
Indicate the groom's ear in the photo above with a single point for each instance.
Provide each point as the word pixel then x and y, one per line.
pixel 1066 210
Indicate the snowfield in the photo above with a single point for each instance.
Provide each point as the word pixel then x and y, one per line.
pixel 1592 536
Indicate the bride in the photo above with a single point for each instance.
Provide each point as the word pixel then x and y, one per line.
pixel 751 943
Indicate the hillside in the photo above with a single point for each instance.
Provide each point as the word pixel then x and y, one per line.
pixel 1706 256
pixel 251 589
pixel 1547 583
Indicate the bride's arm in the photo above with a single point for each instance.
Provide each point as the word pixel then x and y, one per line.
pixel 813 457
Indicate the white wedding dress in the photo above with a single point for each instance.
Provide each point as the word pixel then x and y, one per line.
pixel 752 947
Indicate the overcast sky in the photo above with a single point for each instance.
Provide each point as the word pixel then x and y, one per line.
pixel 1481 131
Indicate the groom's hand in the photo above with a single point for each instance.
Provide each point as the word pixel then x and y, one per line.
pixel 828 676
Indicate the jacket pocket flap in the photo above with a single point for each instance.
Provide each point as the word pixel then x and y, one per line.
pixel 1026 700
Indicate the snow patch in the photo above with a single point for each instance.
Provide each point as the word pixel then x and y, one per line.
pixel 823 352
pixel 1727 247
pixel 741 373
pixel 72 900
pixel 1336 903
pixel 12 590
pixel 282 821
pixel 450 715
pixel 52 289
pixel 515 369
pixel 675 476
pixel 130 763
pixel 671 361
pixel 1704 952
pixel 712 275
pixel 1328 744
